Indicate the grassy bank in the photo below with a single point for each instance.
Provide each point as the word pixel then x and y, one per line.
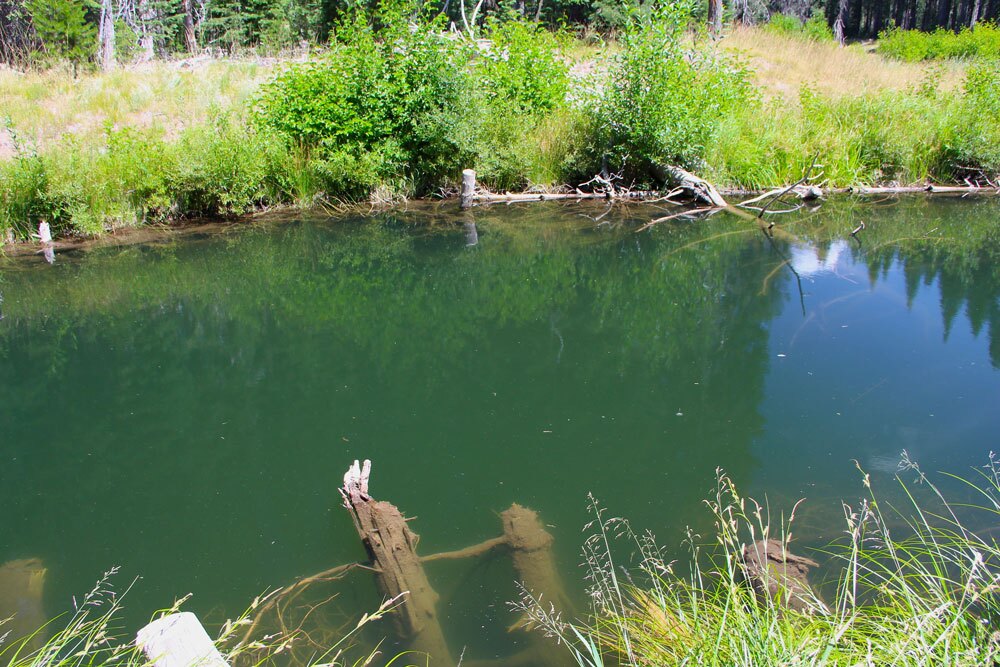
pixel 911 583
pixel 394 112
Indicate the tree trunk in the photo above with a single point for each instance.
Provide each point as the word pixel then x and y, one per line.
pixel 145 23
pixel 838 24
pixel 975 14
pixel 715 16
pixel 106 35
pixel 189 38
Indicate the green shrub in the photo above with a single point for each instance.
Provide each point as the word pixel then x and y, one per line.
pixel 982 41
pixel 25 199
pixel 663 103
pixel 783 25
pixel 522 72
pixel 974 147
pixel 816 29
pixel 392 102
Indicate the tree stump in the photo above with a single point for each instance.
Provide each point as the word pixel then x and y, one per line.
pixel 391 546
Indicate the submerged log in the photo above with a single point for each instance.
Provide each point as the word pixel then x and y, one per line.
pixel 531 553
pixel 778 575
pixel 178 640
pixel 22 590
pixel 391 546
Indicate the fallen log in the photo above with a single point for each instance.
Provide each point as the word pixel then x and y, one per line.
pixel 391 546
pixel 697 188
pixel 803 192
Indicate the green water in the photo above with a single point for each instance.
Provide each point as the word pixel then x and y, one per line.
pixel 186 408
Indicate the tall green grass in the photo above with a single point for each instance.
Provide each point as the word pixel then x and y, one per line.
pixel 910 585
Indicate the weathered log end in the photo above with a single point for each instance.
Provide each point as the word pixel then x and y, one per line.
pixel 22 595
pixel 524 530
pixel 779 575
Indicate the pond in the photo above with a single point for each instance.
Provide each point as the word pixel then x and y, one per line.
pixel 186 407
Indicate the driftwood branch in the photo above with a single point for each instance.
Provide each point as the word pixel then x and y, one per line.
pixel 775 195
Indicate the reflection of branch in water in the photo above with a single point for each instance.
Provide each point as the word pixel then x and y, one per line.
pixel 788 262
pixel 555 330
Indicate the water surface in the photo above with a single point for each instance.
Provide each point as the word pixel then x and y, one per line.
pixel 186 408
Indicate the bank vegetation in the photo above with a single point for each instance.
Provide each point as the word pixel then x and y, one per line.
pixel 397 105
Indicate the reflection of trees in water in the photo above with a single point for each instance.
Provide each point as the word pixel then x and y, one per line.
pixel 951 242
pixel 548 361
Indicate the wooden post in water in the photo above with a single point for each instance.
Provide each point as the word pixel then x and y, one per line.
pixel 391 545
pixel 468 188
pixel 178 640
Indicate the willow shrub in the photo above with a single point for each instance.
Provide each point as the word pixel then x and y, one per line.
pixel 381 107
pixel 663 101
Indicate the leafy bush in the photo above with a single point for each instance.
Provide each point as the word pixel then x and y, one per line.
pixel 392 101
pixel 982 41
pixel 974 148
pixel 522 72
pixel 663 102
pixel 783 24
pixel 815 29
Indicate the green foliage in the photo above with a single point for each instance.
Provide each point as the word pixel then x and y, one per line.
pixel 663 102
pixel 523 72
pixel 982 41
pixel 25 199
pixel 63 29
pixel 815 29
pixel 391 102
pixel 783 24
pixel 974 146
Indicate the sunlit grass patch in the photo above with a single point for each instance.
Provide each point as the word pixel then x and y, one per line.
pixel 912 584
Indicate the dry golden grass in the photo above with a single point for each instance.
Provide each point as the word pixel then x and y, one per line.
pixel 783 63
pixel 43 107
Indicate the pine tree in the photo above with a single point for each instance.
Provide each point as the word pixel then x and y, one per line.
pixel 63 30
